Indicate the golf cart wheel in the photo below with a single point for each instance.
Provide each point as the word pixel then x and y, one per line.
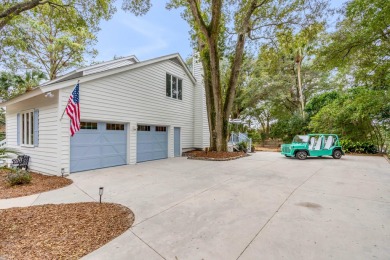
pixel 301 155
pixel 337 154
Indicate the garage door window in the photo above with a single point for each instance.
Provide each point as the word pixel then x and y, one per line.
pixel 143 128
pixel 88 125
pixel 115 127
pixel 161 129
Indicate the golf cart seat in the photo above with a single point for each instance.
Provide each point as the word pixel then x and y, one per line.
pixel 312 143
pixel 319 143
pixel 329 142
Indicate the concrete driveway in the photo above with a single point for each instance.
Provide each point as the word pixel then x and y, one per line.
pixel 264 206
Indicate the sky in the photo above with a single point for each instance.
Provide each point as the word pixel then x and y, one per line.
pixel 160 32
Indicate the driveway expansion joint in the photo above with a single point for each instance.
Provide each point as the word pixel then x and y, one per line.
pixel 143 241
pixel 84 192
pixel 34 201
pixel 273 215
pixel 182 201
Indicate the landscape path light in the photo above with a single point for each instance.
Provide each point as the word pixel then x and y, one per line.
pixel 101 193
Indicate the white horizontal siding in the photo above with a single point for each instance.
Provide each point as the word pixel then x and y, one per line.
pixel 201 132
pixel 44 157
pixel 137 97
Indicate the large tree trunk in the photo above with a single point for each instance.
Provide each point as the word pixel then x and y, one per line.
pixel 219 107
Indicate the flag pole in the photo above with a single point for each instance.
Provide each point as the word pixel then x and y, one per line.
pixel 67 104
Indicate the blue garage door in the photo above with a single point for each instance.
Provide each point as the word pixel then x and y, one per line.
pixel 152 143
pixel 98 145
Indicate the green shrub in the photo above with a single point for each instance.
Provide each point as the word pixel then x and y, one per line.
pixel 255 135
pixel 242 146
pixel 350 146
pixel 18 177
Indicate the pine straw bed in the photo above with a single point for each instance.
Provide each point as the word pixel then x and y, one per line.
pixel 39 183
pixel 63 231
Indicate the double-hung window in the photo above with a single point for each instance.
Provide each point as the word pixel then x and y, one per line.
pixel 174 87
pixel 28 128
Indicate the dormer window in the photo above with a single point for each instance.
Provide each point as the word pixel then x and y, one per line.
pixel 174 87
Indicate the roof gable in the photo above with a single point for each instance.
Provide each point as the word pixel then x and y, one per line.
pixel 107 65
pixel 99 71
pixel 92 73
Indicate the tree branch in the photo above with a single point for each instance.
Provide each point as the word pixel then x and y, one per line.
pixel 238 57
pixel 195 10
pixel 216 17
pixel 16 9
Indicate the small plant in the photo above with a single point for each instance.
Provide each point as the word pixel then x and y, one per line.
pixel 18 177
pixel 5 152
pixel 242 146
pixel 253 149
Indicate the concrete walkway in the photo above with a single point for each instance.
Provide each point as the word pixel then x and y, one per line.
pixel 264 206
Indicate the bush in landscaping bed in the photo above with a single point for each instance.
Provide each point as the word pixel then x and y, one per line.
pixel 18 177
pixel 350 146
pixel 242 146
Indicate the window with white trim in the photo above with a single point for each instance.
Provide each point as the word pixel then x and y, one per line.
pixel 27 128
pixel 174 87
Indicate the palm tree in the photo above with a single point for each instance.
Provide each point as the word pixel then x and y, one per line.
pixel 12 85
pixel 31 79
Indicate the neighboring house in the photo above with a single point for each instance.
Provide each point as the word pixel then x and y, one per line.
pixel 131 112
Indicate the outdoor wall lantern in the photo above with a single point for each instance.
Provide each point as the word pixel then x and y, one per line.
pixel 49 94
pixel 101 193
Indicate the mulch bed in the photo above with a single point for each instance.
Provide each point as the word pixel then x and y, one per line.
pixel 267 149
pixel 214 156
pixel 63 231
pixel 39 183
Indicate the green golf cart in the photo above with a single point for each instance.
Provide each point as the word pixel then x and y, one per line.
pixel 315 145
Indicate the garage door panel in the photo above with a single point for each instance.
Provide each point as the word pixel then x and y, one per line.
pixel 114 148
pixel 92 150
pixel 113 161
pixel 98 148
pixel 85 164
pixel 142 157
pixel 87 138
pixel 113 138
pixel 159 155
pixel 151 145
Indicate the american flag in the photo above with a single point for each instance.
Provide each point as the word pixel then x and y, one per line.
pixel 73 110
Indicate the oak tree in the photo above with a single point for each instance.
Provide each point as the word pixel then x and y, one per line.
pixel 221 29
